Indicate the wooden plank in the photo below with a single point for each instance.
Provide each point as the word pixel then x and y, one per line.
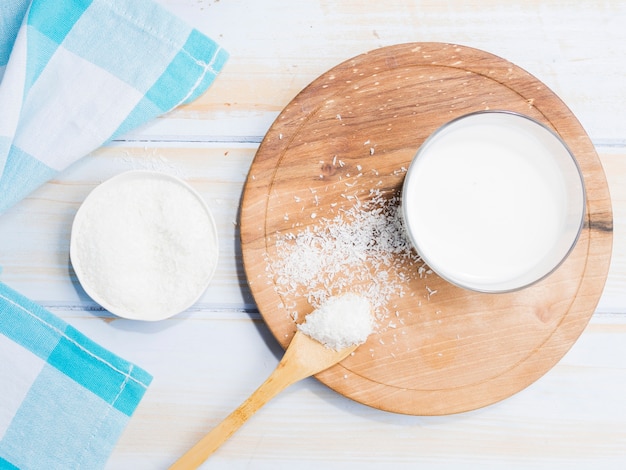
pixel 34 235
pixel 276 50
pixel 204 366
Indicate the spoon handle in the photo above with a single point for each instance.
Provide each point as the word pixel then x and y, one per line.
pixel 303 358
pixel 283 376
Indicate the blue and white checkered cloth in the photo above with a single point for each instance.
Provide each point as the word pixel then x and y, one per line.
pixel 75 74
pixel 78 73
pixel 64 399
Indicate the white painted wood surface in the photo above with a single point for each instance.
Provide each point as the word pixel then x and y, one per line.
pixel 208 359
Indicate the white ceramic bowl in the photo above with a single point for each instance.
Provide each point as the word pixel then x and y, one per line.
pixel 493 201
pixel 144 245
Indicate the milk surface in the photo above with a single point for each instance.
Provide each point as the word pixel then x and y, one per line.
pixel 487 205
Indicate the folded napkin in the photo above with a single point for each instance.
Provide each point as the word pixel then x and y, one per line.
pixel 75 74
pixel 78 73
pixel 64 399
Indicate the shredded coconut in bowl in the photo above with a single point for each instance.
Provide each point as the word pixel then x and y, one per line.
pixel 340 322
pixel 144 245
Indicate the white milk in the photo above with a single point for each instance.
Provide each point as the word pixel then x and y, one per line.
pixel 493 202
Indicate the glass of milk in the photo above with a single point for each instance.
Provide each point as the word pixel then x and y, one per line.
pixel 493 201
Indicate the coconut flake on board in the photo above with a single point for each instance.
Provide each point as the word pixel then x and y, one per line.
pixel 364 245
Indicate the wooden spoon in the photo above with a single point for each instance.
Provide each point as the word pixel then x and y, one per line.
pixel 303 358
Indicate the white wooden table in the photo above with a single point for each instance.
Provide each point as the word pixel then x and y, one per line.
pixel 207 360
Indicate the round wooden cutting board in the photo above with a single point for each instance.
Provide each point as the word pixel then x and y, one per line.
pixel 350 135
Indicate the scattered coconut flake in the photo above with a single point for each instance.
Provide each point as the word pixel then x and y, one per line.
pixel 362 247
pixel 340 322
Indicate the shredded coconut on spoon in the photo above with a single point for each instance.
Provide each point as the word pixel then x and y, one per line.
pixel 340 322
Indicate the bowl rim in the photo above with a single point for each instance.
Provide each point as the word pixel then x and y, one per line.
pixel 75 258
pixel 411 171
